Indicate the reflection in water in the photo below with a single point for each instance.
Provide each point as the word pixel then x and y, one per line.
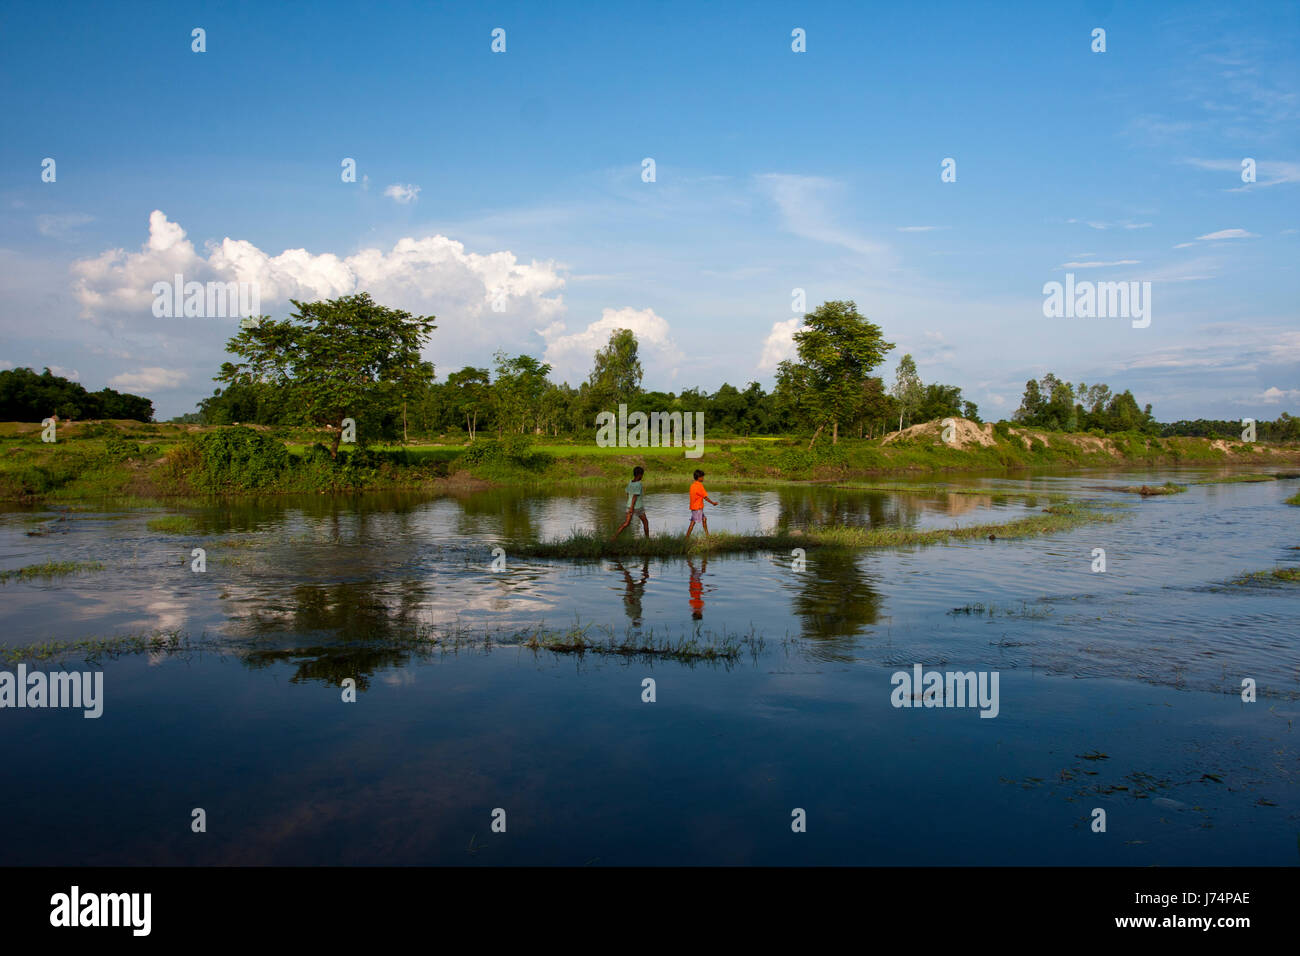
pixel 697 587
pixel 634 590
pixel 836 601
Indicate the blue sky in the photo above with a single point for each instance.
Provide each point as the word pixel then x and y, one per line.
pixel 775 170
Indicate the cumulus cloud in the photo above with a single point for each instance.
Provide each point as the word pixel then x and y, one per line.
pixel 1273 395
pixel 148 379
pixel 403 193
pixel 431 274
pixel 570 353
pixel 779 344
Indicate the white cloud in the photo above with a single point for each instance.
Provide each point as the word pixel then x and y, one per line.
pixel 920 228
pixel 70 373
pixel 61 225
pixel 570 354
pixel 1273 395
pixel 1228 234
pixel 1267 172
pixel 6 364
pixel 432 274
pixel 779 344
pixel 1098 265
pixel 403 194
pixel 802 201
pixel 148 379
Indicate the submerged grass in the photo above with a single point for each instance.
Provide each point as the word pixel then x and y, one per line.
pixel 1294 499
pixel 95 649
pixel 1268 577
pixel 173 524
pixel 1146 491
pixel 590 544
pixel 50 569
pixel 1235 479
pixel 698 646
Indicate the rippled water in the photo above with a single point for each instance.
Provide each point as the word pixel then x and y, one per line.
pixel 1118 690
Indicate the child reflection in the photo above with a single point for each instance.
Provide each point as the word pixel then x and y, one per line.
pixel 634 590
pixel 697 587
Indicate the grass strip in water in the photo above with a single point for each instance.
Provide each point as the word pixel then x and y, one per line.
pixel 1269 577
pixel 93 649
pixel 173 524
pixel 699 646
pixel 50 569
pixel 1147 491
pixel 1236 479
pixel 589 544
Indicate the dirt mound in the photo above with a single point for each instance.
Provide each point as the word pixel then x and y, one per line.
pixel 965 433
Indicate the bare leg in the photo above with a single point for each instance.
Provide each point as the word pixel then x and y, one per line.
pixel 705 522
pixel 645 523
pixel 626 522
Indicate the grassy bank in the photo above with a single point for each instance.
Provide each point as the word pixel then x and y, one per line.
pixel 150 463
pixel 590 545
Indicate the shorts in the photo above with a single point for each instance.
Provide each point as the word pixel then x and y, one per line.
pixel 697 514
pixel 637 512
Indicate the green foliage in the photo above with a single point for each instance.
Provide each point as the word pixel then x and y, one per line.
pixel 119 449
pixel 28 397
pixel 512 451
pixel 345 358
pixel 233 459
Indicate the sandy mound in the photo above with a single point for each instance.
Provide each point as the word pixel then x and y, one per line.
pixel 965 433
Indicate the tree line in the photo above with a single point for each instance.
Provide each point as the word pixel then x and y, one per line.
pixel 28 397
pixel 352 358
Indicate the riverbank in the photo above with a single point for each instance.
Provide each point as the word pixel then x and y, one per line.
pixel 151 462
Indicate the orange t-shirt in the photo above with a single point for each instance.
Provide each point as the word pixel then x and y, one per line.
pixel 698 494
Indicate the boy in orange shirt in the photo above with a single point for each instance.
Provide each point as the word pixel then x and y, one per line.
pixel 698 497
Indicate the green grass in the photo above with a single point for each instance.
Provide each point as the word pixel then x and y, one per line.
pixel 1294 499
pixel 81 466
pixel 590 544
pixel 173 524
pixel 50 569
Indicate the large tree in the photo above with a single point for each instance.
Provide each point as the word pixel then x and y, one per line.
pixel 336 359
pixel 837 350
pixel 907 390
pixel 470 393
pixel 616 376
pixel 517 393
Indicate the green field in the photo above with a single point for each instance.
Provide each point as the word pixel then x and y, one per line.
pixel 142 463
